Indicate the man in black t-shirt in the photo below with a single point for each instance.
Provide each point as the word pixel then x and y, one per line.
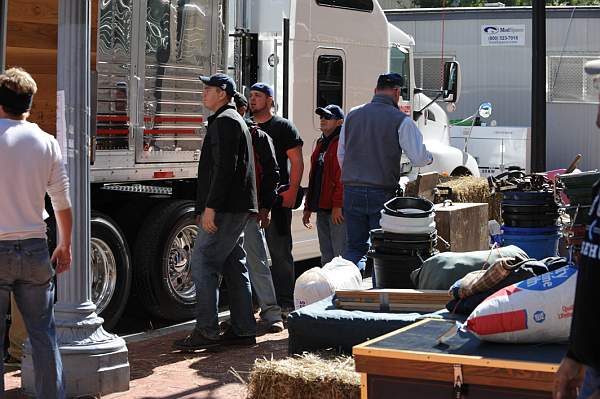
pixel 584 345
pixel 288 150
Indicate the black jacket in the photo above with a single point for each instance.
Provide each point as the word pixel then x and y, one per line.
pixel 226 179
pixel 266 165
pixel 585 327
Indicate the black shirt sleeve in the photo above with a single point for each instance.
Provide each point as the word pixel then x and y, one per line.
pixel 224 149
pixel 270 170
pixel 289 135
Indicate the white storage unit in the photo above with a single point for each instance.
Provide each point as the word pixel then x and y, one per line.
pixel 495 148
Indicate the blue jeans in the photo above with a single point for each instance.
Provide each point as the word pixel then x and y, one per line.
pixel 332 237
pixel 591 383
pixel 362 212
pixel 279 240
pixel 216 255
pixel 25 269
pixel 260 273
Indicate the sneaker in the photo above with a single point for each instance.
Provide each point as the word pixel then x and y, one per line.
pixel 276 327
pixel 10 361
pixel 285 312
pixel 195 341
pixel 230 338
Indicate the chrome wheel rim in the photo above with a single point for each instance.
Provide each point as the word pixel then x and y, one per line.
pixel 104 273
pixel 178 264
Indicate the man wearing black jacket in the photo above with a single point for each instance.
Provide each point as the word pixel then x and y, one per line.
pixel 267 179
pixel 584 347
pixel 225 201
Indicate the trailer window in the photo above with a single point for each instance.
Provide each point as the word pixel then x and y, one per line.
pixel 358 5
pixel 399 63
pixel 330 80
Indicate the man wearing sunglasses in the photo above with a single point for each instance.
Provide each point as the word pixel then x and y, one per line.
pixel 325 191
pixel 583 357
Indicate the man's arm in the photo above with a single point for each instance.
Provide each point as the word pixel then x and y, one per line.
pixel 58 190
pixel 224 151
pixel 296 170
pixel 411 142
pixel 62 254
pixel 341 144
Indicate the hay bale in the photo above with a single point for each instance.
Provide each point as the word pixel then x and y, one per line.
pixel 308 376
pixel 475 189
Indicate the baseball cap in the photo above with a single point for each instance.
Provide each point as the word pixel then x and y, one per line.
pixel 221 81
pixel 390 80
pixel 331 111
pixel 592 67
pixel 263 88
pixel 240 100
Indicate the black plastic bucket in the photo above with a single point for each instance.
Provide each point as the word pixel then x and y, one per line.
pixel 393 271
pixel 402 244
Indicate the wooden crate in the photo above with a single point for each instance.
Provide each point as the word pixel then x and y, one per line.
pixel 463 226
pixel 412 363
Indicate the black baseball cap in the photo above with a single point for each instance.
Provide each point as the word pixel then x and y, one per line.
pixel 221 81
pixel 330 111
pixel 592 67
pixel 240 100
pixel 390 80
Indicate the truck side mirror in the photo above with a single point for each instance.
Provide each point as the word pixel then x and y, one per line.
pixel 451 87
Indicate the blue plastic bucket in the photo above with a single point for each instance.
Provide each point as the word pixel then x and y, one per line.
pixel 538 243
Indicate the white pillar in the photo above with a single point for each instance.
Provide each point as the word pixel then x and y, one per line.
pixel 95 362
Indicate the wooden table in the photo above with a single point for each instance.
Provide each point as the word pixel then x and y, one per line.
pixel 411 363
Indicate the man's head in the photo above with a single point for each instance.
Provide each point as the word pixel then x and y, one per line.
pixel 17 89
pixel 390 84
pixel 261 98
pixel 331 116
pixel 218 91
pixel 241 103
pixel 593 68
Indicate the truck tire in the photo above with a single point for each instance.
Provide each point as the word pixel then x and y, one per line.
pixel 162 269
pixel 110 269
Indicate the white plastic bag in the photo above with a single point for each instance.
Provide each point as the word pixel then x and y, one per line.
pixel 535 310
pixel 320 282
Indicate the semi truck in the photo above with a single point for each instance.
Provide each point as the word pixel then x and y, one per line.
pixel 149 121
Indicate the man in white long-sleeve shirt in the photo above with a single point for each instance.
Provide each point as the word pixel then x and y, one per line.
pixel 31 165
pixel 372 140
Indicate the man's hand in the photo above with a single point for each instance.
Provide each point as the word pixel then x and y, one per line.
pixel 336 216
pixel 62 257
pixel 568 379
pixel 289 197
pixel 264 218
pixel 208 221
pixel 306 219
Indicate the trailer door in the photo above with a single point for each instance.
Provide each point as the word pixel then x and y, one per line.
pixel 181 41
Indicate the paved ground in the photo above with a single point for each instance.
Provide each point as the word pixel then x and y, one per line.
pixel 159 372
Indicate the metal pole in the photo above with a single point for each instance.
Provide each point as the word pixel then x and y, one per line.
pixel 3 24
pixel 94 361
pixel 538 87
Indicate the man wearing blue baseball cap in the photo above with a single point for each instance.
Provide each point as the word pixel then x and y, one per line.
pixel 373 138
pixel 226 198
pixel 583 355
pixel 288 149
pixel 325 191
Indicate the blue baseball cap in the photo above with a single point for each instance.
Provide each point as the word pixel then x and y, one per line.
pixel 263 88
pixel 390 80
pixel 331 111
pixel 221 81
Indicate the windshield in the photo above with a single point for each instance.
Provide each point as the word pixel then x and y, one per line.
pixel 399 63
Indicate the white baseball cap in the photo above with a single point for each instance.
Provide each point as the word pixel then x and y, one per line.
pixel 592 67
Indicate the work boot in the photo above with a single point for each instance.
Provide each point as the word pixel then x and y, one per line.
pixel 231 338
pixel 195 341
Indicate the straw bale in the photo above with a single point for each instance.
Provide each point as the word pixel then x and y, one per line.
pixel 308 376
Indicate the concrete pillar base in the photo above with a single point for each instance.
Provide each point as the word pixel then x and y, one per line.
pixel 95 362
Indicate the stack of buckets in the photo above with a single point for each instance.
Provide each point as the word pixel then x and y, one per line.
pixel 578 188
pixel 407 237
pixel 530 222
